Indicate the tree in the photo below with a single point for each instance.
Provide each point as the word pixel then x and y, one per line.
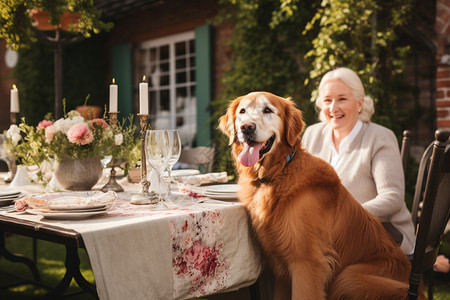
pixel 19 32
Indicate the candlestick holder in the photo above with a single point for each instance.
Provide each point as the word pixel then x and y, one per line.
pixel 112 184
pixel 13 117
pixel 144 196
pixel 11 160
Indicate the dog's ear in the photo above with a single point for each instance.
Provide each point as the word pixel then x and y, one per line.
pixel 293 122
pixel 226 122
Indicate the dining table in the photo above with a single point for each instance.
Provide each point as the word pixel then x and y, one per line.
pixel 194 247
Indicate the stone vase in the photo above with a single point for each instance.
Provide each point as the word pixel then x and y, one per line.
pixel 78 174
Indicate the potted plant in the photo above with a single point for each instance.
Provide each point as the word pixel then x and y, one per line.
pixel 72 143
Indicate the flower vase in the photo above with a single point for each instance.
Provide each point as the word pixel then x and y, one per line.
pixel 78 174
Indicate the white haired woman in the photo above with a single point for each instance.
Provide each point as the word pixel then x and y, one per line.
pixel 365 155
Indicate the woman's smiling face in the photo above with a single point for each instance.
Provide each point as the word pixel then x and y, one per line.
pixel 339 106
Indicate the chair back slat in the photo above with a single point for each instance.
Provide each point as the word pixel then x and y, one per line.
pixel 201 157
pixel 422 175
pixel 405 150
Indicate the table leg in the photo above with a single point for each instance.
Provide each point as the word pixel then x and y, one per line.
pixel 72 271
pixel 18 258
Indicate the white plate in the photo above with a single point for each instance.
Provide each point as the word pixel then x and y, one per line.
pixel 74 210
pixel 75 207
pixel 223 188
pixel 66 215
pixel 9 192
pixel 12 196
pixel 224 196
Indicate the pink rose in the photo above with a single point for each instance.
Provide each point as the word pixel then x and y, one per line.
pixel 21 205
pixel 99 122
pixel 80 134
pixel 44 124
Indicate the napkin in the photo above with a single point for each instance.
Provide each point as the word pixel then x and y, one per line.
pixel 71 200
pixel 203 178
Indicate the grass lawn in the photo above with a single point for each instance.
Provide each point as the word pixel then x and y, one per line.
pixel 50 264
pixel 51 267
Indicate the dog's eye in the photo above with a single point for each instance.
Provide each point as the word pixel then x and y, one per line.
pixel 242 111
pixel 268 110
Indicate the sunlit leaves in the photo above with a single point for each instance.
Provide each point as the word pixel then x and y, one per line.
pixel 16 23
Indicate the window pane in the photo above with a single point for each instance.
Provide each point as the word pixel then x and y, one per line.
pixel 164 52
pixel 180 63
pixel 164 67
pixel 191 46
pixel 180 48
pixel 181 77
pixel 152 103
pixel 165 80
pixel 164 101
pixel 192 62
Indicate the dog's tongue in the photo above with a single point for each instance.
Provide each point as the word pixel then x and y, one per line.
pixel 249 155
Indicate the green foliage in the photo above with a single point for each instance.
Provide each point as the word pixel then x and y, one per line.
pixel 16 23
pixel 363 35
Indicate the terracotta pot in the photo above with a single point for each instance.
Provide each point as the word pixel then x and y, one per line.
pixel 78 174
pixel 41 20
pixel 89 112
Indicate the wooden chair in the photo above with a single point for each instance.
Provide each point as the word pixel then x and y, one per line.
pixel 433 189
pixel 201 157
pixel 406 145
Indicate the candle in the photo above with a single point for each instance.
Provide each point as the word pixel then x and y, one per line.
pixel 14 96
pixel 113 96
pixel 143 97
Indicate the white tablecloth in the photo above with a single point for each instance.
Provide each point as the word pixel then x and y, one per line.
pixel 189 251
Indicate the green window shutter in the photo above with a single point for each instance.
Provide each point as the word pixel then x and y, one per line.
pixel 203 78
pixel 122 72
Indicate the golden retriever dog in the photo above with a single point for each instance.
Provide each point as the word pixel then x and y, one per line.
pixel 318 239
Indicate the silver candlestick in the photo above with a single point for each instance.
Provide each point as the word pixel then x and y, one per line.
pixel 13 116
pixel 112 184
pixel 144 196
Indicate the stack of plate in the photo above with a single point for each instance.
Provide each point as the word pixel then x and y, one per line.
pixel 222 191
pixel 69 212
pixel 71 205
pixel 7 196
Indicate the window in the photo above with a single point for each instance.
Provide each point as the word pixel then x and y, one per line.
pixel 169 66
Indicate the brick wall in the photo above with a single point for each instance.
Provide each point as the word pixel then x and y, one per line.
pixel 442 28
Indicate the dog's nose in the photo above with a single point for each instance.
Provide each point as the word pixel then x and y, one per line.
pixel 248 127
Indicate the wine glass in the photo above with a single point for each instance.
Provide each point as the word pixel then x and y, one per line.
pixel 175 146
pixel 158 152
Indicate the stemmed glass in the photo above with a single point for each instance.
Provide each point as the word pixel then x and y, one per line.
pixel 158 152
pixel 175 147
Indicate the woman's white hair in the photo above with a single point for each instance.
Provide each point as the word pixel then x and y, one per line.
pixel 351 79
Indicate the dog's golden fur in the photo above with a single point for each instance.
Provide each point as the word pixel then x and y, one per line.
pixel 318 239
